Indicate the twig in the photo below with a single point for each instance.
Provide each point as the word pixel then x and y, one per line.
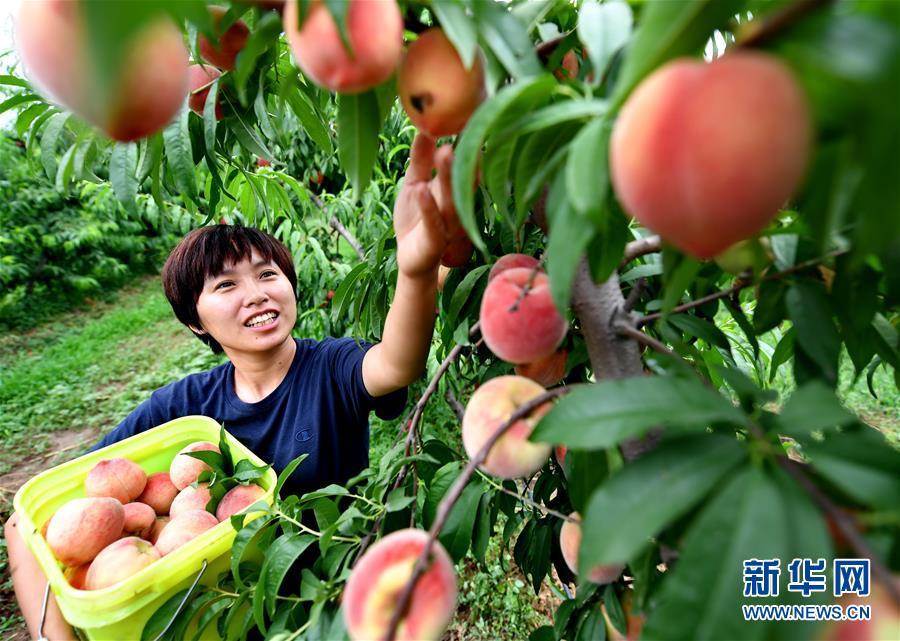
pixel 457 407
pixel 528 501
pixel 339 228
pixel 640 247
pixel 757 32
pixel 528 285
pixel 634 295
pixel 452 496
pixel 623 329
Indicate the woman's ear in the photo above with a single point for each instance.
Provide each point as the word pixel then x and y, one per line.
pixel 197 330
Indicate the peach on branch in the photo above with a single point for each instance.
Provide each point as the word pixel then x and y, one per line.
pixel 519 321
pixel 190 498
pixel 513 455
pixel 183 528
pixel 378 579
pixel 139 519
pixel 510 261
pixel 375 34
pixel 237 499
pixel 547 371
pixel 200 77
pixel 568 67
pixel 117 478
pixel 570 542
pixel 119 560
pixel 150 82
pixel 222 52
pixel 83 527
pixel 436 90
pixel 185 469
pixel 159 492
pixel 706 154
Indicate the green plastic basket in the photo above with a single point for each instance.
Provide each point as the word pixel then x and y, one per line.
pixel 119 612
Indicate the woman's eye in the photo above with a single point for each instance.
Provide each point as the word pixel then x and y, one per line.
pixel 224 283
pixel 270 272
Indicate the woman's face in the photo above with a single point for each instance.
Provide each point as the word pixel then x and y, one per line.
pixel 248 307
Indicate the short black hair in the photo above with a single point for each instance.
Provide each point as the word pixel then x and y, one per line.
pixel 202 254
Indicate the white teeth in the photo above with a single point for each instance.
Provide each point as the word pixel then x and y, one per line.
pixel 262 319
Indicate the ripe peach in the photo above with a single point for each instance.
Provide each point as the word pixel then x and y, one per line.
pixel 458 250
pixel 375 32
pixel 184 469
pixel 151 81
pixel 706 154
pixel 519 325
pixel 182 528
pixel 139 519
pixel 159 492
pixel 547 371
pixel 375 584
pixel 238 498
pixel 570 541
pixel 200 77
pixel 117 478
pixel 512 456
pixel 568 67
pixel 83 527
pixel 119 560
pixel 634 623
pixel 510 261
pixel 884 623
pixel 190 498
pixel 76 576
pixel 223 52
pixel 158 525
pixel 560 452
pixel 437 92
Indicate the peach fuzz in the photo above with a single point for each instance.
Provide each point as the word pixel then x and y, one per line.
pixel 513 455
pixel 705 154
pixel 570 542
pixel 375 32
pixel 510 261
pixel 151 81
pixel 159 492
pixel 183 528
pixel 190 498
pixel 158 525
pixel 116 478
pixel 83 527
pixel 223 51
pixel 521 325
pixel 375 584
pixel 184 469
pixel 139 519
pixel 120 560
pixel 437 92
pixel 199 79
pixel 237 499
pixel 547 371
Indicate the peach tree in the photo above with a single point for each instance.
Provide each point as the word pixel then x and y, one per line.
pixel 662 208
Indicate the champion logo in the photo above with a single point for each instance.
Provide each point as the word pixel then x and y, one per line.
pixel 303 435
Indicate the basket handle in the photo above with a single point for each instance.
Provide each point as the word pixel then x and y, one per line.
pixel 181 605
pixel 40 636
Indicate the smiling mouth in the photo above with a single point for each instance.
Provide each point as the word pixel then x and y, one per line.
pixel 262 320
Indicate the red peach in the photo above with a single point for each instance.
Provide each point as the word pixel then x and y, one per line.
pixel 159 492
pixel 230 42
pixel 560 453
pixel 547 371
pixel 117 478
pixel 83 527
pixel 375 32
pixel 190 498
pixel 519 321
pixel 458 250
pixel 184 469
pixel 883 624
pixel 437 92
pixel 199 79
pixel 375 584
pixel 76 576
pixel 139 519
pixel 568 67
pixel 150 83
pixel 183 528
pixel 510 261
pixel 120 560
pixel 570 541
pixel 513 455
pixel 706 154
pixel 237 499
pixel 158 525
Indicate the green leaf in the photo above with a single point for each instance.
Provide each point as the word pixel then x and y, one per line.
pixel 357 127
pixel 538 158
pixel 626 511
pixel 459 28
pixel 266 30
pixel 442 481
pixel 591 627
pixel 677 281
pixel 606 413
pixel 570 235
pixel 587 175
pixel 744 323
pixel 398 499
pixel 17 100
pixel 464 291
pixel 250 139
pixel 151 157
pixel 483 528
pixel 310 120
pixel 179 157
pixel 28 116
pixel 161 617
pixel 12 81
pixel 287 471
pixel 701 597
pixel 815 332
pixel 122 168
pixel 554 115
pixel 667 30
pixel 700 328
pixel 604 29
pixel 456 535
pixel 585 471
pixel 247 543
pixel 507 39
pixel 49 140
pixel 812 407
pixel 770 310
pixel 282 554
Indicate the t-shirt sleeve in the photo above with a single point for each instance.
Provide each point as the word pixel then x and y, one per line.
pixel 346 357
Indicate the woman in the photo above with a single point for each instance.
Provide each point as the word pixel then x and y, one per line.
pixel 234 287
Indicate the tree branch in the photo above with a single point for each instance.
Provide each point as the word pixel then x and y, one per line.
pixel 640 247
pixel 755 33
pixel 339 228
pixel 624 329
pixel 452 496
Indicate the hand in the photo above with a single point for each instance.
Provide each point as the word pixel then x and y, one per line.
pixel 423 205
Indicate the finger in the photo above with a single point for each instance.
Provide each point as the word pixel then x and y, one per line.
pixel 421 159
pixel 444 161
pixel 431 215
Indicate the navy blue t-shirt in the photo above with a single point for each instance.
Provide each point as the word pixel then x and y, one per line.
pixel 320 408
